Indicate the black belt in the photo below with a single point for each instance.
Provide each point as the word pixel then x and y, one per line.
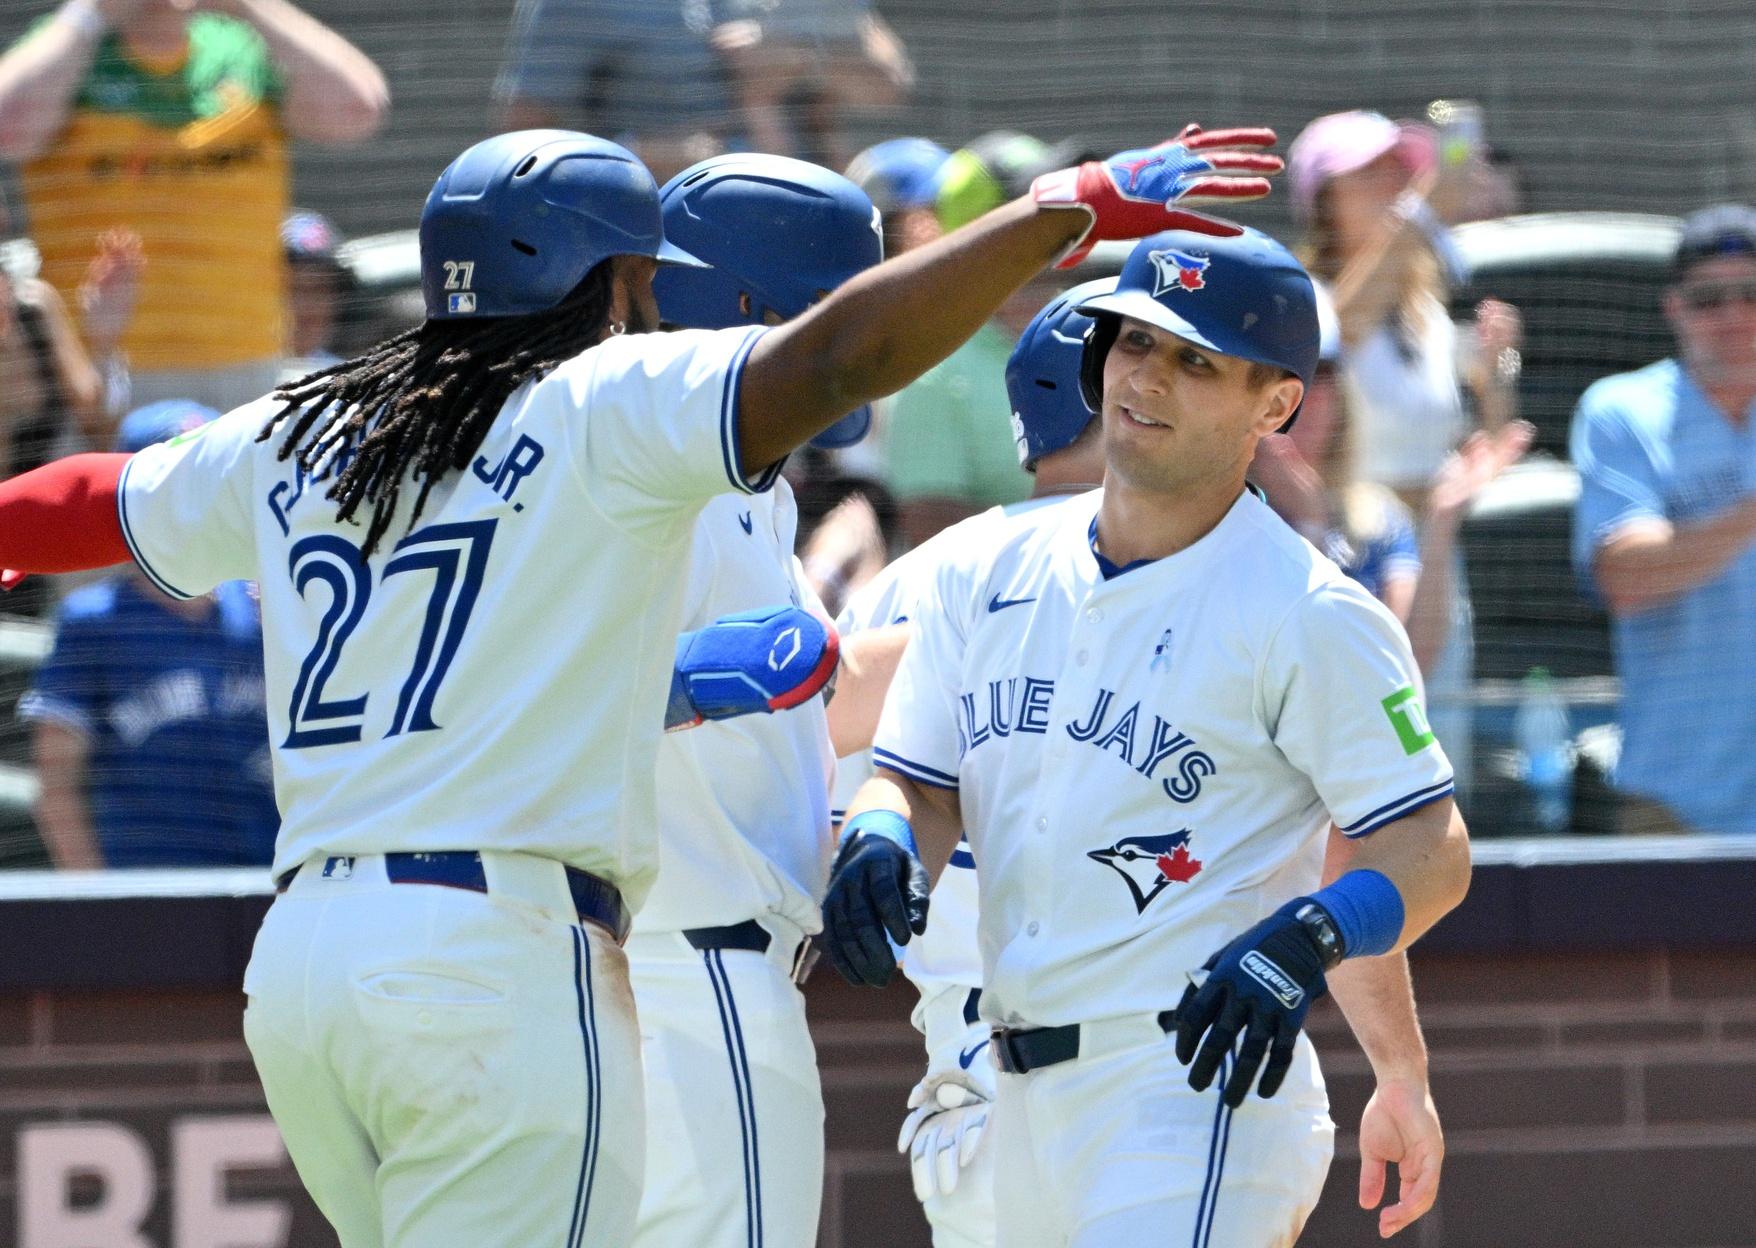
pixel 749 935
pixel 595 900
pixel 754 938
pixel 1020 1050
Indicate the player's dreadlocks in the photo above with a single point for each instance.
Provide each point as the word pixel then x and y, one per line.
pixel 423 400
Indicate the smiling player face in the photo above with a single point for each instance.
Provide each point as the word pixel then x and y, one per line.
pixel 1177 415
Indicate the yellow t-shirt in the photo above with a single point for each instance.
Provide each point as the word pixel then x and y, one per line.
pixel 191 156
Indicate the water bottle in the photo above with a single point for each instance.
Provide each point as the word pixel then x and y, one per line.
pixel 1545 748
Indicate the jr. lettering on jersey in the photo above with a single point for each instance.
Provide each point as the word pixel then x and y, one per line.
pixel 503 478
pixel 1157 751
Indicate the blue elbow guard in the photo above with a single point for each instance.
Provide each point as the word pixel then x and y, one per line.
pixel 765 660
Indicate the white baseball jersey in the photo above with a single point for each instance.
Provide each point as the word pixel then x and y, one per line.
pixel 946 956
pixel 744 803
pixel 494 679
pixel 1148 758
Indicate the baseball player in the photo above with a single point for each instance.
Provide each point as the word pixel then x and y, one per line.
pixel 1147 707
pixel 950 1107
pixel 734 1107
pixel 471 542
pixel 948 1110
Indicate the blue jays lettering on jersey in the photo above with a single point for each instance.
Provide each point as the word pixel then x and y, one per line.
pixel 1022 705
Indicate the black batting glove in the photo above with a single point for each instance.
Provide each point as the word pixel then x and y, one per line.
pixel 1259 987
pixel 876 889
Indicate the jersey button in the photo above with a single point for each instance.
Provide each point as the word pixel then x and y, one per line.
pixel 1081 657
pixel 1094 616
pixel 1042 824
pixel 1033 928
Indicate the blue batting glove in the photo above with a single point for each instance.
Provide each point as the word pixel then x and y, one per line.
pixel 1259 986
pixel 877 888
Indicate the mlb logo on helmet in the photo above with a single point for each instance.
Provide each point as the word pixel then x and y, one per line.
pixel 461 304
pixel 1177 270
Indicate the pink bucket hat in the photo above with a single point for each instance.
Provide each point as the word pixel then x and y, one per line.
pixel 1340 143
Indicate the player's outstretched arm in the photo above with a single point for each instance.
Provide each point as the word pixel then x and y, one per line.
pixel 879 882
pixel 890 324
pixel 62 517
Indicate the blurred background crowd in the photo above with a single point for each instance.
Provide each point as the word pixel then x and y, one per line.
pixel 1530 436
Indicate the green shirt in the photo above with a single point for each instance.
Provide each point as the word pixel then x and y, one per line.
pixel 950 434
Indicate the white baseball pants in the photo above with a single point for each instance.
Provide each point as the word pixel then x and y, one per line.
pixel 450 1069
pixel 734 1106
pixel 1116 1151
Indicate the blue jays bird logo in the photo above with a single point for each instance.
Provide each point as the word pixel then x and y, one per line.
pixel 1150 864
pixel 1177 270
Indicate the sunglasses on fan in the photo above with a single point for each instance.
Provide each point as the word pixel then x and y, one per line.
pixel 1706 296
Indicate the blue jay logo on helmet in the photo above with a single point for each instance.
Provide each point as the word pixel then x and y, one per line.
pixel 1178 270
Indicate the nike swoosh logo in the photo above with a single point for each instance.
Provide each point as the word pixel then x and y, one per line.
pixel 997 603
pixel 966 1056
pixel 748 524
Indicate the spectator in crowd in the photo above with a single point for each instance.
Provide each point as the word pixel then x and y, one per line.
pixel 843 546
pixel 52 390
pixel 1310 477
pixel 1375 200
pixel 901 176
pixel 1665 533
pixel 151 732
pixel 641 72
pixel 317 286
pixel 948 442
pixel 171 118
pixel 796 64
pixel 54 397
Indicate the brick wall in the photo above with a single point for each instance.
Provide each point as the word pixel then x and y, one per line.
pixel 1590 1101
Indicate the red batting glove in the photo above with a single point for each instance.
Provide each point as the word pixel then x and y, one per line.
pixel 1131 195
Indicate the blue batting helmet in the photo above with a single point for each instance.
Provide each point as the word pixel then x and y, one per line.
pixel 160 422
pixel 1042 376
pixel 514 224
pixel 899 173
pixel 776 234
pixel 1245 296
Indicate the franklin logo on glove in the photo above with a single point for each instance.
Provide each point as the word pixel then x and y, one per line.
pixel 1273 978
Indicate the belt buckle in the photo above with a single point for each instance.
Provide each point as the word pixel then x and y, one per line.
pixel 805 959
pixel 1007 1057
